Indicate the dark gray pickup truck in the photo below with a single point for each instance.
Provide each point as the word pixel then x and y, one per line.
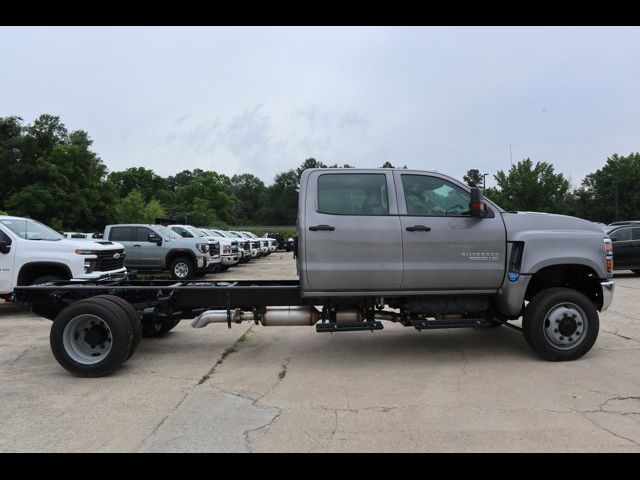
pixel 416 248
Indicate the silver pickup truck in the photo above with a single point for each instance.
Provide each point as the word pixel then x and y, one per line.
pixel 416 248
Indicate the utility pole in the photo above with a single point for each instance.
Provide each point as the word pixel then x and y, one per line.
pixel 484 180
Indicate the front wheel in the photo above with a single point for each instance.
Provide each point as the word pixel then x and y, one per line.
pixel 182 269
pixel 560 324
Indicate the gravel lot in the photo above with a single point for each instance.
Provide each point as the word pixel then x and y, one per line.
pixel 291 389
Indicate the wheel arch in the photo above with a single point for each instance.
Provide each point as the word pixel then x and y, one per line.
pixel 576 276
pixel 32 270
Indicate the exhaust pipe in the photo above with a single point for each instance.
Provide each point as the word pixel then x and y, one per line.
pixel 273 317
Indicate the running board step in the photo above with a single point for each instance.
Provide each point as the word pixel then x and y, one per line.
pixel 458 323
pixel 348 326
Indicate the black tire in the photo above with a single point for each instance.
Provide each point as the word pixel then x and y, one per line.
pixel 182 264
pixel 118 337
pixel 567 309
pixel 133 317
pixel 637 272
pixel 47 310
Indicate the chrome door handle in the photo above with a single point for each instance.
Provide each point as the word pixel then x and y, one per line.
pixel 418 228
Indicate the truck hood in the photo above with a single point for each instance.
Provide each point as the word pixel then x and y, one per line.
pixel 519 222
pixel 72 245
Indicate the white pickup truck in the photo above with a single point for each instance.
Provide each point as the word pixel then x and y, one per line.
pixel 32 253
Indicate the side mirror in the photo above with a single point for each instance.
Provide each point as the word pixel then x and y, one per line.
pixel 154 238
pixel 614 239
pixel 4 248
pixel 477 207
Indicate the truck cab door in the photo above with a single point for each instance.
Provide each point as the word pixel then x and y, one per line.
pixel 351 232
pixel 149 254
pixel 6 263
pixel 445 248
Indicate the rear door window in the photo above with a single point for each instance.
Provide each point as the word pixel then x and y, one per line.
pixel 635 235
pixel 122 234
pixel 353 194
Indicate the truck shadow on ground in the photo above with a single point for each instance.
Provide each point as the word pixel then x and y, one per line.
pixel 363 347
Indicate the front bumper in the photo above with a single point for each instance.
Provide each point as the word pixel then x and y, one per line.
pixel 608 288
pixel 229 259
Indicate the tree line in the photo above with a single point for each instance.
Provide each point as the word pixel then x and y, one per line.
pixel 52 175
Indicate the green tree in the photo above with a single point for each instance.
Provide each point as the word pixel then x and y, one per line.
pixel 52 174
pixel 309 163
pixel 250 192
pixel 473 178
pixel 387 164
pixel 153 210
pixel 138 178
pixel 131 209
pixel 611 193
pixel 281 207
pixel 530 187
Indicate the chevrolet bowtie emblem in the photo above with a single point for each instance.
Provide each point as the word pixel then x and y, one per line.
pixel 116 256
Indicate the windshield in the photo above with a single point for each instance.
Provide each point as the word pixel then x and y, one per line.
pixel 31 230
pixel 249 234
pixel 167 233
pixel 196 232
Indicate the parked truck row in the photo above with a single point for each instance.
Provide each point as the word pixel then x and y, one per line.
pixel 32 253
pixel 416 248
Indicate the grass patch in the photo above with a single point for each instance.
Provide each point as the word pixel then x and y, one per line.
pixel 227 351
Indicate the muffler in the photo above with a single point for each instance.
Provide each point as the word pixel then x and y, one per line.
pixel 273 317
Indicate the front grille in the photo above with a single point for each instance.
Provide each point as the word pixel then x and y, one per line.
pixel 247 246
pixel 214 249
pixel 234 247
pixel 105 261
pixel 255 245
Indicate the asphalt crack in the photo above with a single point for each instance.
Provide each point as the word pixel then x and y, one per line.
pixel 225 353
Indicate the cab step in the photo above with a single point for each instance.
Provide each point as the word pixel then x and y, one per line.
pixel 348 326
pixel 457 323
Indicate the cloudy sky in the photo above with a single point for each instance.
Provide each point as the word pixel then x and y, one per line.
pixel 261 100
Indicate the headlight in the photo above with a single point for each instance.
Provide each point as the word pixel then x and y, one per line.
pixel 81 251
pixel 203 247
pixel 226 249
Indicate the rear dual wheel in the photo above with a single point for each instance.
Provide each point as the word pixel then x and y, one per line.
pixel 95 336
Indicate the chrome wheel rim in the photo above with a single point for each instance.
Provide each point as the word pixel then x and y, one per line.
pixel 566 325
pixel 87 339
pixel 181 270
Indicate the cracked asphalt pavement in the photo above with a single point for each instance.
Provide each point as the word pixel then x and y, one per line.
pixel 292 389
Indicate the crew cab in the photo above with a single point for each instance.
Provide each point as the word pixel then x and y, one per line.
pixel 416 248
pixel 156 248
pixel 32 253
